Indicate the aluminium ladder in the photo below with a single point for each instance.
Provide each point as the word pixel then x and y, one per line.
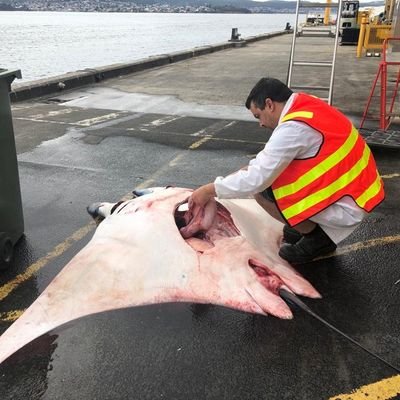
pixel 312 32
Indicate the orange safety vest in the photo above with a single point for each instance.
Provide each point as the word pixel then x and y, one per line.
pixel 344 165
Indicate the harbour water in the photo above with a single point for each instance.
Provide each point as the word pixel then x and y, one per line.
pixel 44 44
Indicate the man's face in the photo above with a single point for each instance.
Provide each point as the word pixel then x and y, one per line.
pixel 266 116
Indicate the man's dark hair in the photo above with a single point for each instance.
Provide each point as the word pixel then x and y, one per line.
pixel 268 88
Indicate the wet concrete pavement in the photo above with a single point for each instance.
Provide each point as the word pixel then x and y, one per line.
pixel 182 125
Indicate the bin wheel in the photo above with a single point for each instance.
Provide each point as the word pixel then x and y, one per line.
pixel 6 253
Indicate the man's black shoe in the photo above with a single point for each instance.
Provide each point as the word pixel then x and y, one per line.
pixel 314 244
pixel 290 235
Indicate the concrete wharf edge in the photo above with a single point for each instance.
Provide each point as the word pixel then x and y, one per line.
pixel 72 80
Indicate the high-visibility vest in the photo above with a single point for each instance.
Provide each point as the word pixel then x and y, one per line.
pixel 343 166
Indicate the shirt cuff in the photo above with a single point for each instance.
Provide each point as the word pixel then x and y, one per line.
pixel 224 192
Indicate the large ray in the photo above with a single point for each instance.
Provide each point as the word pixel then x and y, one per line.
pixel 138 256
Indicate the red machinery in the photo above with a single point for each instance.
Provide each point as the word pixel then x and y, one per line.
pixel 387 83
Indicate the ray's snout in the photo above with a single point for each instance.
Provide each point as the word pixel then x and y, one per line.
pixel 93 210
pixel 99 211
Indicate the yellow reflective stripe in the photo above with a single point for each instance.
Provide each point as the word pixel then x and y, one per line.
pixel 297 114
pixel 327 191
pixel 372 191
pixel 324 166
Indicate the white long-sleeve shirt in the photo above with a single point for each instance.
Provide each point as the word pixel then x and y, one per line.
pixel 288 141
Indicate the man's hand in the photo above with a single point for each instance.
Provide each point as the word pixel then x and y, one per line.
pixel 201 196
pixel 202 211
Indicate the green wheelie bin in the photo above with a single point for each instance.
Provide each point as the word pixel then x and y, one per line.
pixel 11 216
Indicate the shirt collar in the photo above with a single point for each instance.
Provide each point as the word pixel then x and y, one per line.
pixel 287 106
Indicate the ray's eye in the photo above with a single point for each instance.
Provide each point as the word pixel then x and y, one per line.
pixel 115 206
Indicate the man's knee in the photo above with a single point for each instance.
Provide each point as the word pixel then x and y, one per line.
pixel 267 194
pixel 267 201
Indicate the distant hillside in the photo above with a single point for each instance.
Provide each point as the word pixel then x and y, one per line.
pixel 8 7
pixel 213 3
pixel 271 6
pixel 274 4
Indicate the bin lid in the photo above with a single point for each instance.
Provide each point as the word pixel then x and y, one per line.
pixel 14 73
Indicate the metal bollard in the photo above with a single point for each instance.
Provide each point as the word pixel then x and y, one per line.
pixel 361 37
pixel 235 34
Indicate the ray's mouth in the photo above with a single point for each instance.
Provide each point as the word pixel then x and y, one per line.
pixel 221 225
